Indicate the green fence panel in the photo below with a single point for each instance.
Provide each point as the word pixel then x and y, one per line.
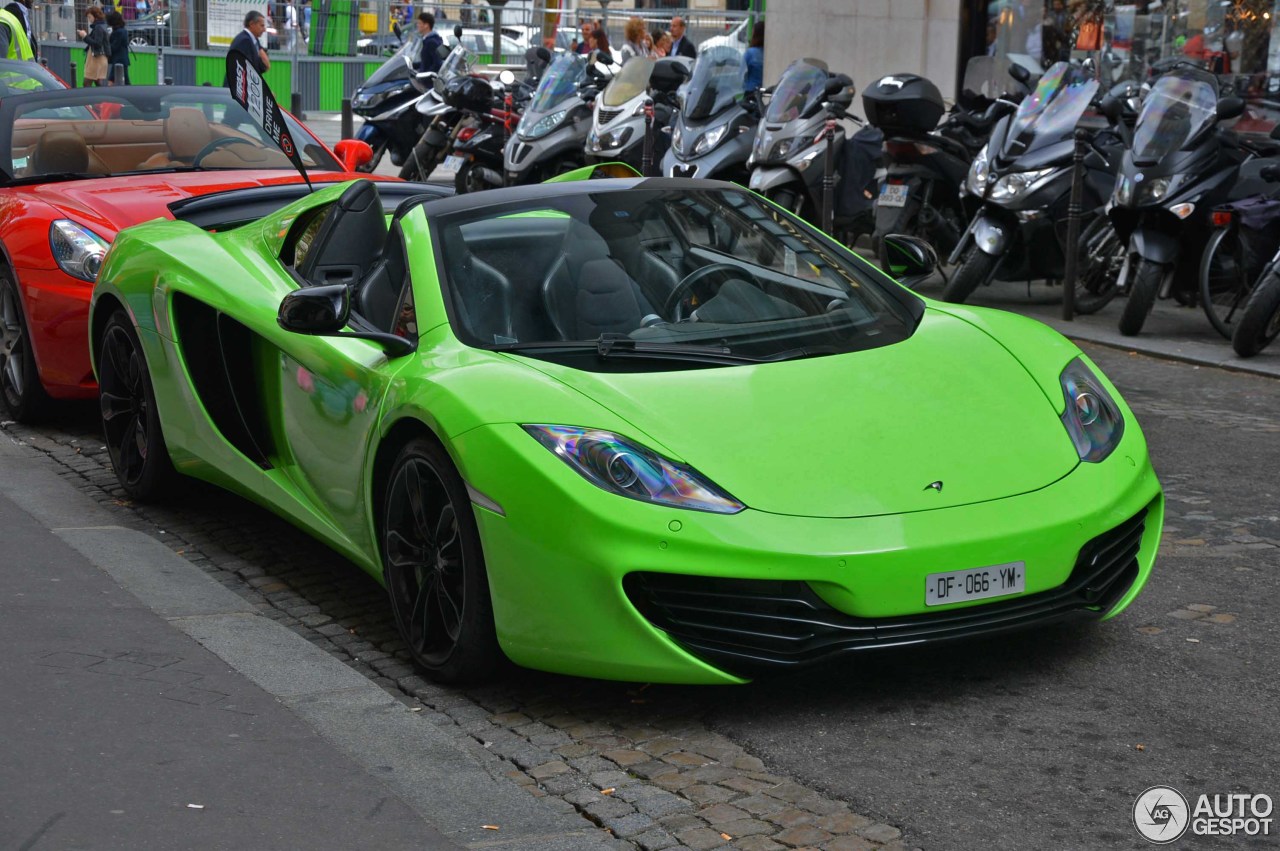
pixel 142 69
pixel 211 70
pixel 278 80
pixel 331 86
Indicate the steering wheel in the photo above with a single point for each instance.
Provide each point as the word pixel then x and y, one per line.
pixel 215 145
pixel 674 306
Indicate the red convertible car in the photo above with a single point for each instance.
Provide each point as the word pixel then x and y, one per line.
pixel 77 166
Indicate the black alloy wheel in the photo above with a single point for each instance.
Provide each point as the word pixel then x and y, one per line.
pixel 20 387
pixel 1260 325
pixel 434 568
pixel 130 421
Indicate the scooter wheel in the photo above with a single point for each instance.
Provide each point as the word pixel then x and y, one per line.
pixel 1142 297
pixel 976 269
pixel 1260 324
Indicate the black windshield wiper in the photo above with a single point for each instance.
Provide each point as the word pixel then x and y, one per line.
pixel 608 346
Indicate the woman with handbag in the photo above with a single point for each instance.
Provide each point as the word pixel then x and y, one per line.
pixel 97 45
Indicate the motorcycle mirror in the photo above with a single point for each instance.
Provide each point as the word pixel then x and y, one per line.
pixel 506 77
pixel 838 83
pixel 1230 107
pixel 544 55
pixel 1019 73
pixel 908 259
pixel 1110 108
pixel 457 31
pixel 395 28
pixel 842 99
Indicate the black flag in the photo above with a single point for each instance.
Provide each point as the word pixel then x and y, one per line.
pixel 251 91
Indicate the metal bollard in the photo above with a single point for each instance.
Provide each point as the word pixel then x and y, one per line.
pixel 348 120
pixel 829 179
pixel 73 75
pixel 1074 211
pixel 160 65
pixel 646 156
pixel 295 105
pixel 117 74
pixel 44 62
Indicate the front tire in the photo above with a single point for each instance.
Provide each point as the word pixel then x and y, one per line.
pixel 433 567
pixel 1142 297
pixel 1260 324
pixel 130 421
pixel 20 387
pixel 1225 280
pixel 1101 265
pixel 977 268
pixel 422 160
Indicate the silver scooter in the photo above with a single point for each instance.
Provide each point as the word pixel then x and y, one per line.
pixel 713 135
pixel 550 137
pixel 620 117
pixel 787 162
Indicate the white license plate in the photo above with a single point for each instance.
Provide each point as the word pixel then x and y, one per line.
pixel 893 195
pixel 978 583
pixel 452 163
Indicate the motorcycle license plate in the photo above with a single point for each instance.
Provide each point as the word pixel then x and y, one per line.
pixel 893 195
pixel 452 164
pixel 976 584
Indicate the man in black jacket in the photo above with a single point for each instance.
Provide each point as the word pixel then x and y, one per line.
pixel 429 59
pixel 680 44
pixel 23 12
pixel 247 41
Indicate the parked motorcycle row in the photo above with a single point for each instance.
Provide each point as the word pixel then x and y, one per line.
pixel 1174 204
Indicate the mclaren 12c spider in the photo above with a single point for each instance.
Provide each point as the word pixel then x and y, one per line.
pixel 637 429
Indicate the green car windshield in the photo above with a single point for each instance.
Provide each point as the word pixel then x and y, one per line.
pixel 719 272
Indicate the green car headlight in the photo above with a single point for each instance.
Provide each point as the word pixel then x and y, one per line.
pixel 1092 417
pixel 621 466
pixel 77 250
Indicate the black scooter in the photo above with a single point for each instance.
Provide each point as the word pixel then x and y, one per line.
pixel 1181 166
pixel 386 103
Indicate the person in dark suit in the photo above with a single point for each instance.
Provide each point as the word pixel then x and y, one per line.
pixel 247 41
pixel 681 45
pixel 23 12
pixel 429 59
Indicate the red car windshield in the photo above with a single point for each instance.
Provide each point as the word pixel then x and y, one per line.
pixel 127 130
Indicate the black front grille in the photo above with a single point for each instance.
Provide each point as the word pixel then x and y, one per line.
pixel 746 625
pixel 607 115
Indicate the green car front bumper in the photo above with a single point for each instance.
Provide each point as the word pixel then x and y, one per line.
pixel 589 583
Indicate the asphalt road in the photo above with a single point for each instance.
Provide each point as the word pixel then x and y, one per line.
pixel 1045 739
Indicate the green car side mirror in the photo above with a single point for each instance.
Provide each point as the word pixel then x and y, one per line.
pixel 907 259
pixel 325 312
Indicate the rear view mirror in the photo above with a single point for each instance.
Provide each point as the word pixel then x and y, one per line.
pixel 1230 107
pixel 1110 108
pixel 837 84
pixel 316 310
pixel 353 153
pixel 544 55
pixel 457 31
pixel 907 259
pixel 1019 73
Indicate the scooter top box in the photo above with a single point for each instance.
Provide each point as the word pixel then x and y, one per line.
pixel 903 103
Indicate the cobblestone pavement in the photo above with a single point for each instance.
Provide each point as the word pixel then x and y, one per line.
pixel 633 759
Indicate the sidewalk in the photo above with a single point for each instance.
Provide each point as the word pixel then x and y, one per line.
pixel 148 707
pixel 1172 331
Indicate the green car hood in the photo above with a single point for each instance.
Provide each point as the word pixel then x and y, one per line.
pixel 853 435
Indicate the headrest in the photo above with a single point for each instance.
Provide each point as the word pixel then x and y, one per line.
pixel 59 151
pixel 186 131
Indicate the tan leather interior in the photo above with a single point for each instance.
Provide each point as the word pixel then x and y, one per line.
pixel 60 151
pixel 119 145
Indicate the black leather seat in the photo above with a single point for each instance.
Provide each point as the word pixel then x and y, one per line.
pixel 350 241
pixel 378 296
pixel 586 293
pixel 482 293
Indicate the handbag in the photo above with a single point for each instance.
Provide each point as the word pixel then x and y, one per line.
pixel 1090 36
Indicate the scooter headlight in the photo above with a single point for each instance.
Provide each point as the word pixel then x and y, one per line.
pixel 1013 186
pixel 1123 196
pixel 709 140
pixel 541 127
pixel 1153 191
pixel 979 172
pixel 677 137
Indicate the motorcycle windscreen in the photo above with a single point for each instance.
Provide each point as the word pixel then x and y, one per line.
pixel 1177 109
pixel 987 78
pixel 802 84
pixel 632 80
pixel 559 83
pixel 716 84
pixel 1050 113
pixel 394 68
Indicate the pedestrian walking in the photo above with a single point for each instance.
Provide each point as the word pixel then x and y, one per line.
pixel 21 9
pixel 97 44
pixel 248 42
pixel 429 58
pixel 118 50
pixel 753 59
pixel 681 44
pixel 290 27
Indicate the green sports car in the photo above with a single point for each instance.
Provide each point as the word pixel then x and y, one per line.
pixel 636 429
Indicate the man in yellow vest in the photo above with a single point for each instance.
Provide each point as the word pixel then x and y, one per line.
pixel 13 38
